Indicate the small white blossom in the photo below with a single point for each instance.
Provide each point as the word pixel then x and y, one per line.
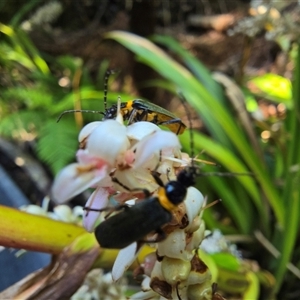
pixel 98 285
pixel 216 243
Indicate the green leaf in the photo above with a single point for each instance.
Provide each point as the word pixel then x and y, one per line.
pixel 273 87
pixel 32 52
pixel 34 97
pixel 17 53
pixel 27 7
pixel 198 69
pixel 57 143
pixel 226 261
pixel 17 124
pixel 285 240
pixel 15 57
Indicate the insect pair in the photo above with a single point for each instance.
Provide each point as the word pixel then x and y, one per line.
pixel 134 223
pixel 135 111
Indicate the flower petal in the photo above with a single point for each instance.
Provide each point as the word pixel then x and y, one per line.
pixel 64 213
pixel 135 179
pixel 174 246
pixel 154 143
pixel 85 158
pixel 33 209
pixel 74 179
pixel 197 237
pixel 108 141
pixel 144 295
pixel 156 272
pixel 149 262
pixel 124 260
pixel 87 130
pixel 139 130
pixel 193 203
pixel 98 200
pixel 174 243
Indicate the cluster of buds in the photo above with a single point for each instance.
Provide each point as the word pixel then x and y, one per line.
pixel 175 270
pixel 129 154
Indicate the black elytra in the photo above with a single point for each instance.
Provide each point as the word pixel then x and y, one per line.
pixel 134 223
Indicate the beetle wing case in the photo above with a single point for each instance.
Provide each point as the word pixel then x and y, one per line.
pixel 132 224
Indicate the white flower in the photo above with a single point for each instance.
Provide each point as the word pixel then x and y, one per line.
pixel 118 160
pixel 109 147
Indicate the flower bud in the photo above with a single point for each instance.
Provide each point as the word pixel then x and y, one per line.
pixel 175 270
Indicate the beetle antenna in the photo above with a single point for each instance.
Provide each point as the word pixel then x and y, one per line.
pixel 106 78
pixel 78 111
pixel 188 113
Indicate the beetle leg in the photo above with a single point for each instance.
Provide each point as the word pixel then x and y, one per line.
pixel 109 209
pixel 132 116
pixel 157 178
pixel 143 116
pixel 145 191
pixel 173 121
pixel 168 172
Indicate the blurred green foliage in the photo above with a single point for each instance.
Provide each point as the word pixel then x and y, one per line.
pixel 36 89
pixel 268 202
pixel 34 95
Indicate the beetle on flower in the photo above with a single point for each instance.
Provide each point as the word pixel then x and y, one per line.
pixel 129 155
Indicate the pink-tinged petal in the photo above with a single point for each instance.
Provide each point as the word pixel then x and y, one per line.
pixel 74 179
pixel 98 200
pixel 107 183
pixel 124 260
pixel 87 130
pixel 125 160
pixel 123 197
pixel 154 143
pixel 85 158
pixel 149 262
pixel 156 272
pixel 108 141
pixel 139 130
